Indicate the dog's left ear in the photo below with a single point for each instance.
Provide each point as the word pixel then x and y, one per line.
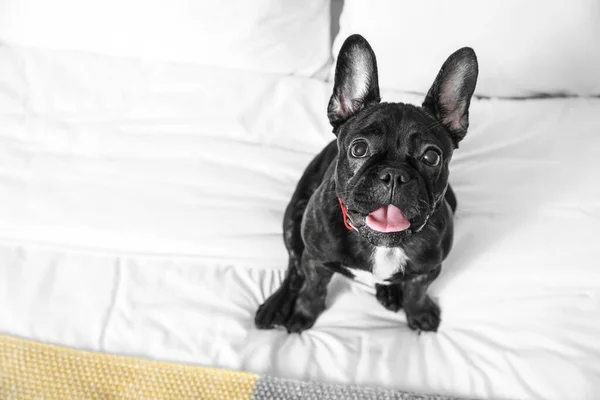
pixel 450 95
pixel 356 85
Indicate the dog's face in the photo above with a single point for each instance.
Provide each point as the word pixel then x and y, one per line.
pixel 392 167
pixel 392 170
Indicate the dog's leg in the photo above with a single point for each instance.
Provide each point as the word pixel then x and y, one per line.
pixel 421 312
pixel 311 296
pixel 300 299
pixel 390 296
pixel 276 309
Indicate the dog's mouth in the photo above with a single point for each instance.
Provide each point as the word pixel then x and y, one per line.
pixel 386 219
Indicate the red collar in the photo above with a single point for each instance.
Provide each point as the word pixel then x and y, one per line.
pixel 345 213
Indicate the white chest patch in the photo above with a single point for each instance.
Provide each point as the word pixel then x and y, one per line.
pixel 387 261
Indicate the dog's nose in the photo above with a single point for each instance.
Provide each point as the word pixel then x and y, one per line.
pixel 389 176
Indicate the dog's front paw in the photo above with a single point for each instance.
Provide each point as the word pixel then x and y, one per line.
pixel 276 309
pixel 425 317
pixel 300 321
pixel 390 296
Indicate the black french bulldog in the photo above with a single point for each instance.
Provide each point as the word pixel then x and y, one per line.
pixel 376 199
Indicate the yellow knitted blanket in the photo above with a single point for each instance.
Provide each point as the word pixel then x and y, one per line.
pixel 30 370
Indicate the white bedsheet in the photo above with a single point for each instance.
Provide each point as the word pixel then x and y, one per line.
pixel 141 207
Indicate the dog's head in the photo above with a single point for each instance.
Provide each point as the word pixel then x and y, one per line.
pixel 392 167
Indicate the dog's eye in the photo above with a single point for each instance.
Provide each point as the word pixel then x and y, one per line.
pixel 432 157
pixel 359 149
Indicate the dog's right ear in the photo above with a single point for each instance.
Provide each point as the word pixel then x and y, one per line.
pixel 356 84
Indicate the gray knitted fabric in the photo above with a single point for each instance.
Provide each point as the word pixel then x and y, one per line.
pixel 270 388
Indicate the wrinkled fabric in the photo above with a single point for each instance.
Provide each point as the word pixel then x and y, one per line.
pixel 141 207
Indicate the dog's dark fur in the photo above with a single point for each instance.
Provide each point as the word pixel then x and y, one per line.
pixel 394 171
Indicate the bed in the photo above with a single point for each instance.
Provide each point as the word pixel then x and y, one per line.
pixel 141 202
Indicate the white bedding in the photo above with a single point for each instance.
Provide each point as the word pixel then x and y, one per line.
pixel 141 207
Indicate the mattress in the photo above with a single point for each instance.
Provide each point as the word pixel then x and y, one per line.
pixel 140 215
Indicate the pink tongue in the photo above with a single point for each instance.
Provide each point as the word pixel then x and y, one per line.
pixel 387 219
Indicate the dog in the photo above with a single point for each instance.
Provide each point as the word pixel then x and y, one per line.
pixel 377 198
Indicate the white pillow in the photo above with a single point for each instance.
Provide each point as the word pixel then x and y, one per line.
pixel 525 48
pixel 261 35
